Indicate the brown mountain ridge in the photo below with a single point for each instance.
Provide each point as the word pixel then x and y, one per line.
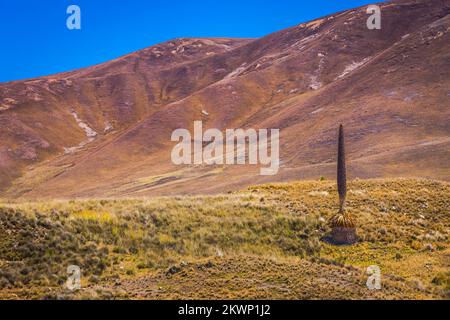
pixel 104 131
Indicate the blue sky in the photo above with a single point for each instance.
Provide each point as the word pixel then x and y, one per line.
pixel 35 40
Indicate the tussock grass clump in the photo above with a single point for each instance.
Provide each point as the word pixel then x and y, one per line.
pixel 36 250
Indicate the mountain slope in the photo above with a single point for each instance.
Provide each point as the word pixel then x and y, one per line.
pixel 389 88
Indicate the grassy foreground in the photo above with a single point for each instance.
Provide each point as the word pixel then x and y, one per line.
pixel 267 242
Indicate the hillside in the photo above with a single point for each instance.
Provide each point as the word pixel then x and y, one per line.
pixel 265 242
pixel 104 131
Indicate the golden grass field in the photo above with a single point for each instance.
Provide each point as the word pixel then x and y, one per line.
pixel 265 242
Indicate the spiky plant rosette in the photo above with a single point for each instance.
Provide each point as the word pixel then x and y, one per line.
pixel 342 220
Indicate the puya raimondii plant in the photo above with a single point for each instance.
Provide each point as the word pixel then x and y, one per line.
pixel 343 226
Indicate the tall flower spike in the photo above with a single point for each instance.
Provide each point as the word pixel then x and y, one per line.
pixel 341 171
pixel 342 224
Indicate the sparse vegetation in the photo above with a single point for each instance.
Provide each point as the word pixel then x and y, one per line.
pixel 242 244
